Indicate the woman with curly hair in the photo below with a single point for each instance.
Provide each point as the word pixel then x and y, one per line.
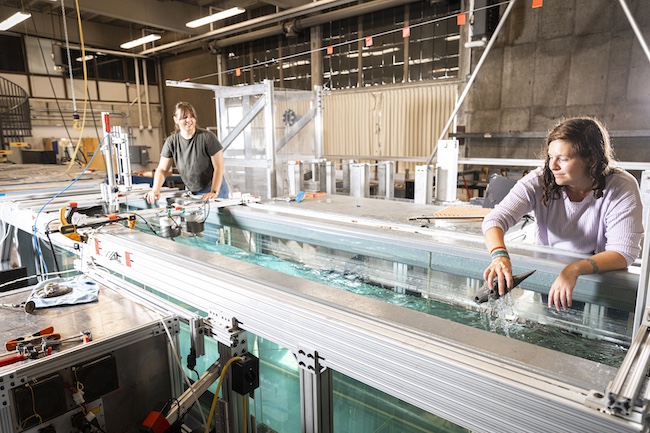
pixel 582 203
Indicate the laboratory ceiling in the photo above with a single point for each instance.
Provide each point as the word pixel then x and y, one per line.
pixel 108 23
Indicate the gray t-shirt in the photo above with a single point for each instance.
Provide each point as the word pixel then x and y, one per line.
pixel 192 157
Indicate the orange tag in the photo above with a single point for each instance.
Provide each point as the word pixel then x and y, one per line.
pixel 461 19
pixel 238 72
pixel 330 49
pixel 368 41
pixel 406 32
pixel 537 3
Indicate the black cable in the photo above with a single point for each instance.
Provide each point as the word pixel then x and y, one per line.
pixel 147 223
pixel 47 233
pixel 206 214
pixel 49 77
pixel 95 423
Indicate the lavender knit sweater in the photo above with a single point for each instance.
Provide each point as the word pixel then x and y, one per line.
pixel 610 223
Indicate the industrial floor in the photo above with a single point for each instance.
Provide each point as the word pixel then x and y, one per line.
pixel 17 177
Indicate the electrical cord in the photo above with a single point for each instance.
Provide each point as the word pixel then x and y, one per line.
pixel 216 393
pixel 49 239
pixel 191 362
pixel 34 413
pixel 35 242
pixel 56 99
pixel 180 366
pixel 147 223
pixel 203 210
pixel 36 276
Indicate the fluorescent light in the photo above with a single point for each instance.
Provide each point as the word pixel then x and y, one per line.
pixel 215 17
pixel 140 41
pixel 16 18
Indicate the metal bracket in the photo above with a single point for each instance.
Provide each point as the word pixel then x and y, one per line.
pixel 309 360
pixel 171 323
pixel 226 330
pixel 198 332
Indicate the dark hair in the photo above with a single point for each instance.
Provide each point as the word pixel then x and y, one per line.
pixel 590 141
pixel 185 109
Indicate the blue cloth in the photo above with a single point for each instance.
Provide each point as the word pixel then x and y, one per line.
pixel 80 290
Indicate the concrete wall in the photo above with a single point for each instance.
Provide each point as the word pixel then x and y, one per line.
pixel 570 57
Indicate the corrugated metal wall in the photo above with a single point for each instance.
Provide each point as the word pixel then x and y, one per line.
pixel 395 122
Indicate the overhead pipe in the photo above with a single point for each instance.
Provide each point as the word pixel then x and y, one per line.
pixel 146 93
pixel 136 66
pixel 300 23
pixel 252 23
pixel 463 95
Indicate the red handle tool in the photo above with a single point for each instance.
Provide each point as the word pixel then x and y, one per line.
pixel 12 344
pixel 11 359
pixel 7 360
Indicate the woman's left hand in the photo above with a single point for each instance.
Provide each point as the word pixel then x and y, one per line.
pixel 209 196
pixel 561 293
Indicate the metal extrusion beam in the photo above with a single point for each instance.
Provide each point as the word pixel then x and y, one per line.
pixel 221 91
pixel 296 128
pixel 623 393
pixel 478 380
pixel 246 120
pixel 642 298
pixel 316 393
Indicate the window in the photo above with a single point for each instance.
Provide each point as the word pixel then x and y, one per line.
pixel 12 58
pixel 349 59
pixel 152 77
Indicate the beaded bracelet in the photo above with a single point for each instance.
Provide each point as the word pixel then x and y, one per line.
pixel 500 253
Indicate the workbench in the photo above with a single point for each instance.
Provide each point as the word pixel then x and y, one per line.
pixel 125 365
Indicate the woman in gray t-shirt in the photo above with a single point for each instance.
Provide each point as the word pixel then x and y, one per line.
pixel 197 155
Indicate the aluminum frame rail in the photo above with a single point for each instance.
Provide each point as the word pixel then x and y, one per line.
pixel 623 393
pixel 478 380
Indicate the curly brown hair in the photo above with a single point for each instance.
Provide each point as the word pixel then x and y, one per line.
pixel 590 141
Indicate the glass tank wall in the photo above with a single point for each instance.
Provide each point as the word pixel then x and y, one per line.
pixel 589 331
pixel 356 406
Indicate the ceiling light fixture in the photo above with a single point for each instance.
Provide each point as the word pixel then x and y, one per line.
pixel 215 17
pixel 140 41
pixel 16 18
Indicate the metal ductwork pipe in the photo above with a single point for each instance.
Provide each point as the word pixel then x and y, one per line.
pixel 306 22
pixel 292 28
pixel 265 20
